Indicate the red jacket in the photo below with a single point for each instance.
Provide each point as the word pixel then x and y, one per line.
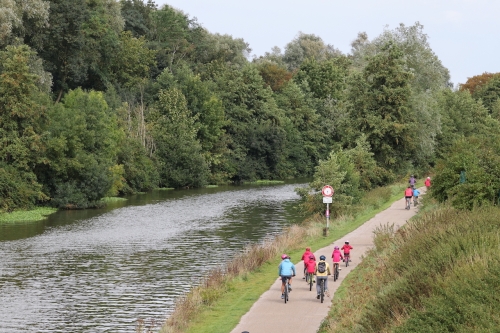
pixel 408 192
pixel 346 248
pixel 306 255
pixel 311 266
pixel 428 182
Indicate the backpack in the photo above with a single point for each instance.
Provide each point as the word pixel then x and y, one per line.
pixel 321 267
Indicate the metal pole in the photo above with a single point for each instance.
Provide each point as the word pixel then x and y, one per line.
pixel 328 215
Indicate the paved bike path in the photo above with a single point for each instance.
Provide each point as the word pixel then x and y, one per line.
pixel 304 313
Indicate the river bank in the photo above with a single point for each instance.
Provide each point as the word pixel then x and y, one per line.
pixel 226 295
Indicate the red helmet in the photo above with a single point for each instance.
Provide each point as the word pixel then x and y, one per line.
pixel 284 256
pixel 311 257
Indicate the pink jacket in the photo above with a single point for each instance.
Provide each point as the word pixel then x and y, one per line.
pixel 311 266
pixel 337 256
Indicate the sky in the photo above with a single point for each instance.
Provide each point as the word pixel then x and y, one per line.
pixel 464 34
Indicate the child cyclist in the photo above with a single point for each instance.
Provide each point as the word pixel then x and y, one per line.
pixel 347 250
pixel 322 272
pixel 286 270
pixel 311 266
pixel 408 196
pixel 337 257
pixel 416 193
pixel 305 258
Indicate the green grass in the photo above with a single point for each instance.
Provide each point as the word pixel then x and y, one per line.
pixel 164 189
pixel 219 310
pixel 440 273
pixel 37 214
pixel 211 186
pixel 112 199
pixel 265 182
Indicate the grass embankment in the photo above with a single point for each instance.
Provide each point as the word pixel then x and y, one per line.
pixel 33 215
pixel 228 293
pixel 440 273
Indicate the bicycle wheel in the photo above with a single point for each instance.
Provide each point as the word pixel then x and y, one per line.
pixel 322 290
pixel 346 258
pixel 310 282
pixel 336 273
pixel 286 291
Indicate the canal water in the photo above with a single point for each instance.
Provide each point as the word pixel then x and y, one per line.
pixel 101 270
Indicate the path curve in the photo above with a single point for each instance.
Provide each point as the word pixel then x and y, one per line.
pixel 304 313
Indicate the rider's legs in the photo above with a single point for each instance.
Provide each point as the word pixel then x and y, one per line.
pixel 318 283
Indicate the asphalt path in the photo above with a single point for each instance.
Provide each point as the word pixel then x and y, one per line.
pixel 303 313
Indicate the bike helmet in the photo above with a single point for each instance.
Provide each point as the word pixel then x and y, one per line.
pixel 347 242
pixel 308 249
pixel 284 256
pixel 311 257
pixel 428 177
pixel 322 258
pixel 336 247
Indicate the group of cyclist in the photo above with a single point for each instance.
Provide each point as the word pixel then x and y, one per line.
pixel 319 269
pixel 412 192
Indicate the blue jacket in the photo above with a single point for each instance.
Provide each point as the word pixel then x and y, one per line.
pixel 416 193
pixel 286 268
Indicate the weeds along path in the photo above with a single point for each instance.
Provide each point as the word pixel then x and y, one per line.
pixel 304 313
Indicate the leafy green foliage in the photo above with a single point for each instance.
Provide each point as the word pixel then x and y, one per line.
pixel 22 115
pixel 478 159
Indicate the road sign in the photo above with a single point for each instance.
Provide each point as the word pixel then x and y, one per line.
pixel 327 191
pixel 327 200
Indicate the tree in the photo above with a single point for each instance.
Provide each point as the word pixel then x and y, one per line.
pixel 137 16
pixel 477 81
pixel 21 18
pixel 307 46
pixel 489 93
pixel 178 152
pixel 380 107
pixel 82 150
pixel 23 110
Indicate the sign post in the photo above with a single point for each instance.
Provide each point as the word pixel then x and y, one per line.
pixel 327 192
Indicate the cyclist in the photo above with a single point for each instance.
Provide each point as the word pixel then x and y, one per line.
pixel 286 270
pixel 412 181
pixel 416 193
pixel 408 195
pixel 347 250
pixel 337 257
pixel 322 274
pixel 305 258
pixel 311 266
pixel 427 183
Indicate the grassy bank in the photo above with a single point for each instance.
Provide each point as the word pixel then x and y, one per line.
pixel 229 292
pixel 440 273
pixel 36 214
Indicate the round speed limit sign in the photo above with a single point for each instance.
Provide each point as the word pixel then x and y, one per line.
pixel 327 191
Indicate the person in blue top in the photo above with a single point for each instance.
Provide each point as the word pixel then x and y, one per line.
pixel 416 193
pixel 286 270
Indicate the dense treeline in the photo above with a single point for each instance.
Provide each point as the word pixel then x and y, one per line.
pixel 103 97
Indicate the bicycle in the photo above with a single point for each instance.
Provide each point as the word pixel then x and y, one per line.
pixel 347 257
pixel 335 271
pixel 287 287
pixel 408 203
pixel 415 201
pixel 322 289
pixel 310 280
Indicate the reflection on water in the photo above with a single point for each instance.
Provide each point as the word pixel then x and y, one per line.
pixel 100 270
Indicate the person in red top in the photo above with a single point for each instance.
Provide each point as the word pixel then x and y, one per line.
pixel 347 250
pixel 305 258
pixel 311 266
pixel 428 183
pixel 408 196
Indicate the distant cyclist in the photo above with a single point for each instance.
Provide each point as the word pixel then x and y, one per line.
pixel 347 250
pixel 427 183
pixel 416 193
pixel 305 258
pixel 311 266
pixel 286 270
pixel 322 272
pixel 412 181
pixel 408 196
pixel 337 257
